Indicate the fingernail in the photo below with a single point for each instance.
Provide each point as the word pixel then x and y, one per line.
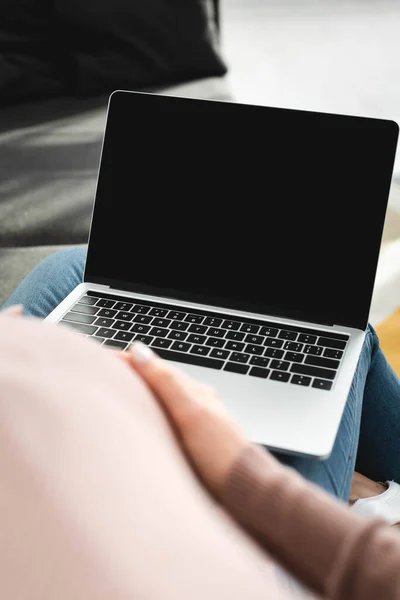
pixel 140 352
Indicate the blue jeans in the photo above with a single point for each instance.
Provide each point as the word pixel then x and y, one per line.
pixel 369 435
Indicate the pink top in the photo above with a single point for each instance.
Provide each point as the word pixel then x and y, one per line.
pixel 98 502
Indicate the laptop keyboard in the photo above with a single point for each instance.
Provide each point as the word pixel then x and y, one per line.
pixel 268 350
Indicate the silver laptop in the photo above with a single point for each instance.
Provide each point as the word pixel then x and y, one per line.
pixel 242 243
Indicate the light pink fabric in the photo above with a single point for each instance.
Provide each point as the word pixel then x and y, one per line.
pixel 96 499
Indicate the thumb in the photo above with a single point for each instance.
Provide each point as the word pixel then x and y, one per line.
pixel 176 391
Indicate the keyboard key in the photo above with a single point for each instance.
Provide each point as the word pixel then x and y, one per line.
pixel 88 300
pixel 259 361
pixel 181 346
pixel 124 336
pixel 201 350
pixel 200 329
pixel 196 339
pixel 179 325
pixel 280 365
pixel 315 350
pixel 161 343
pixel 139 328
pixel 78 318
pixel 254 339
pixel 253 349
pixel 178 335
pixel 273 353
pixel 124 316
pixel 158 312
pixel 145 339
pixel 259 372
pixel 236 368
pixel 287 335
pixel 237 336
pixel 222 354
pixel 239 357
pixel 105 333
pixel 176 315
pixel 124 306
pixel 124 325
pixel 320 361
pixel 142 319
pixel 140 309
pixel 85 309
pixel 115 344
pixel 228 324
pixel 105 303
pixel 194 318
pixel 109 313
pixel 249 328
pixel 212 322
pixel 104 322
pixel 216 332
pixel 322 384
pixel 306 338
pixel 329 353
pixel 293 346
pixel 331 343
pixel 238 346
pixel 158 331
pixel 191 359
pixel 280 376
pixel 273 343
pixel 80 328
pixel 269 331
pixel 312 371
pixel 215 342
pixel 294 357
pixel 161 322
pixel 301 380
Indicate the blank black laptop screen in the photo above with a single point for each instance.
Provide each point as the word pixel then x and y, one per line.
pixel 269 210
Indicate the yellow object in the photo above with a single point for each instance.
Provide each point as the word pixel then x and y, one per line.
pixel 389 336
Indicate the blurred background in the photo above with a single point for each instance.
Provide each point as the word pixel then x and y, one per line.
pixel 59 61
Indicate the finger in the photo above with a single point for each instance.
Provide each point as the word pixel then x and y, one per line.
pixel 17 310
pixel 181 395
pixel 185 379
pixel 211 440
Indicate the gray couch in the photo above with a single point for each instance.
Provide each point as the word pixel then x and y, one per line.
pixel 49 156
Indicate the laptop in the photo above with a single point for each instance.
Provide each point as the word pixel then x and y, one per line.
pixel 240 242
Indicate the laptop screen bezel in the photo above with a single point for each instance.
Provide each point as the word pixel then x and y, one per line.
pixel 205 299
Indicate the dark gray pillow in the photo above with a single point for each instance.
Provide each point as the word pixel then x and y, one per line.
pixel 31 61
pixel 86 47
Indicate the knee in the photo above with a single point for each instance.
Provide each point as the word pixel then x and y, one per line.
pixel 370 332
pixel 67 260
pixel 75 256
pixel 371 340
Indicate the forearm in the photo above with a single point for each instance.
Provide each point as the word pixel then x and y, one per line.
pixel 314 537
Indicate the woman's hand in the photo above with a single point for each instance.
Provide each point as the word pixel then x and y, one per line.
pixel 209 437
pixel 17 310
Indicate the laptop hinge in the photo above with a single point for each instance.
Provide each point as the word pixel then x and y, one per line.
pixel 121 288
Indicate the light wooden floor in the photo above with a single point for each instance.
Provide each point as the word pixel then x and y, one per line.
pixel 389 335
